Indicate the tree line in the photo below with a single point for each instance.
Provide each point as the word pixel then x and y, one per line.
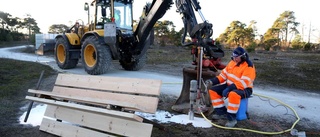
pixel 283 34
pixel 17 29
pixel 164 32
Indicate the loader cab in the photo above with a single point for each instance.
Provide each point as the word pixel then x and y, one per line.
pixel 120 13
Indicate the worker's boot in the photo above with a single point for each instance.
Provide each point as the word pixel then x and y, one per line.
pixel 218 117
pixel 232 121
pixel 220 113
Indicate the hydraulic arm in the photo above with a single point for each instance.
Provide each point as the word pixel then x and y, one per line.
pixel 200 33
pixel 152 13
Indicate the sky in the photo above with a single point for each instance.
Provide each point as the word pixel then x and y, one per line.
pixel 220 13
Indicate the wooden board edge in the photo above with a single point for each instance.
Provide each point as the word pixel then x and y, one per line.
pixel 86 108
pixel 100 122
pixel 68 130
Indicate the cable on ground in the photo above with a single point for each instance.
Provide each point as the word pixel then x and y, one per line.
pixel 257 131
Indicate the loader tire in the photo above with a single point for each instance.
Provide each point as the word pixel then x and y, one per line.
pixel 134 65
pixel 96 57
pixel 62 54
pixel 138 63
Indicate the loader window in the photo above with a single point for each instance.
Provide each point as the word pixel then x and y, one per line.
pixel 117 17
pixel 100 18
pixel 124 14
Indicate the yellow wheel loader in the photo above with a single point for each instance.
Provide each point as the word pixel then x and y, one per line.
pixel 110 36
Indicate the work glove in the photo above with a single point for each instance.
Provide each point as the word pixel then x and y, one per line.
pixel 212 82
pixel 208 82
pixel 227 90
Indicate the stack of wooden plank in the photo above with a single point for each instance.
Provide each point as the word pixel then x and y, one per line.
pixel 86 105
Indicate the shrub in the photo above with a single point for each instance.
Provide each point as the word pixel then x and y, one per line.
pixel 251 47
pixel 9 37
pixel 307 46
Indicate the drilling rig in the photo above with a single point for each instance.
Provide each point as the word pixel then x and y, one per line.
pixel 207 60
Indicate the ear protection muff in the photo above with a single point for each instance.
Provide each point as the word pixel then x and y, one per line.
pixel 242 56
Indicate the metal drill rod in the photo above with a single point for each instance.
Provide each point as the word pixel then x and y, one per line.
pixel 199 72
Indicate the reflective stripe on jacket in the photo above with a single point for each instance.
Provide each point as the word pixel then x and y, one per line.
pixel 241 75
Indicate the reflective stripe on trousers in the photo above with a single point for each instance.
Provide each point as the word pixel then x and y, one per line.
pixel 234 102
pixel 216 99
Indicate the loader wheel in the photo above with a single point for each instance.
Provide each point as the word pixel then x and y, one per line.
pixel 96 57
pixel 62 55
pixel 134 65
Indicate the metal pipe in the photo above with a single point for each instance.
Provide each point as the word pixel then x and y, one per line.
pixel 193 97
pixel 200 56
pixel 31 103
pixel 201 15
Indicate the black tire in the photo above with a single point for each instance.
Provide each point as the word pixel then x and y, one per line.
pixel 130 64
pixel 134 65
pixel 62 55
pixel 96 57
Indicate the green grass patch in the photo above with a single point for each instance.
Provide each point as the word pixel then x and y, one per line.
pixel 15 80
pixel 15 74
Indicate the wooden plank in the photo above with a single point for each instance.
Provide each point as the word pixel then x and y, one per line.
pixel 128 116
pixel 56 96
pixel 147 104
pixel 119 84
pixel 100 122
pixel 68 130
pixel 139 103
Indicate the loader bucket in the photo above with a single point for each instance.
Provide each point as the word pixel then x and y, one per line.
pixel 45 48
pixel 39 51
pixel 182 104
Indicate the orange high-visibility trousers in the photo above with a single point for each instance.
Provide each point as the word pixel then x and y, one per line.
pixel 216 99
pixel 234 102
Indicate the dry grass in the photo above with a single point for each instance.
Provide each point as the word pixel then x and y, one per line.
pixel 297 70
pixel 168 54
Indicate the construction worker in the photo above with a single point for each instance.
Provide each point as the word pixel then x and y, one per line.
pixel 76 27
pixel 117 17
pixel 235 82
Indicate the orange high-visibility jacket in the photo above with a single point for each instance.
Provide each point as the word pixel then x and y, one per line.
pixel 242 76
